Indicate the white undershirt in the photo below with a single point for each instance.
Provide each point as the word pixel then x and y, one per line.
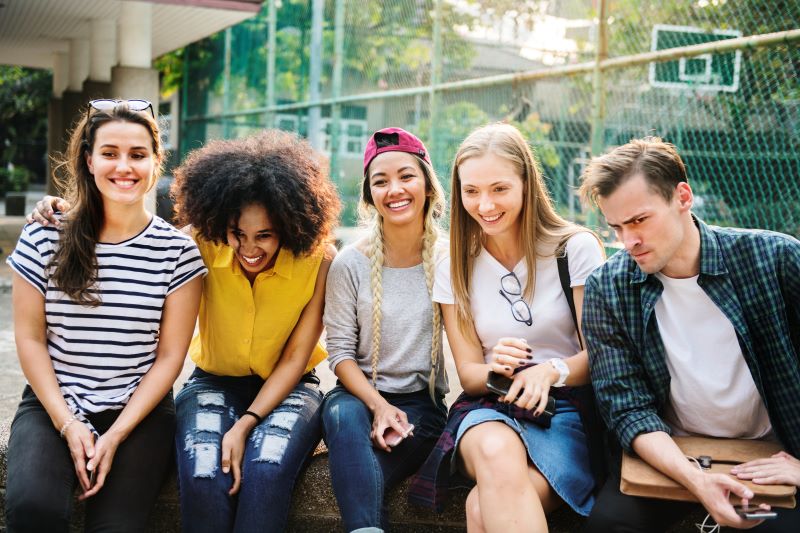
pixel 711 391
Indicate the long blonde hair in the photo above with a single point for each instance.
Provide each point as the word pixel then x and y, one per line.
pixel 543 231
pixel 433 211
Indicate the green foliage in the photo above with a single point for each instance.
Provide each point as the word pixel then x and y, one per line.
pixel 14 180
pixel 24 97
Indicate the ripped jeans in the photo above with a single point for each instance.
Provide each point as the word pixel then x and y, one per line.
pixel 276 450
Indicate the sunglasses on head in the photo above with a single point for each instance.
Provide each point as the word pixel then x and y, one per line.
pixel 108 104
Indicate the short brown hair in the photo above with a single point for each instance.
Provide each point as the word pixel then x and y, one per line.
pixel 658 161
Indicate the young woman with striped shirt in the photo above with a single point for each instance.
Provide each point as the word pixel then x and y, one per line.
pixel 104 307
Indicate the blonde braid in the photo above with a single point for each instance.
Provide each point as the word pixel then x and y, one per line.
pixel 429 240
pixel 375 254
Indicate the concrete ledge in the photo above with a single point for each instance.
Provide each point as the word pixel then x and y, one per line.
pixel 314 508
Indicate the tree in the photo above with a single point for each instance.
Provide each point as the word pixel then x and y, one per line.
pixel 24 97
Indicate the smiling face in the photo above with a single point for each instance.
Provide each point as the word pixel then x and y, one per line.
pixel 491 193
pixel 122 162
pixel 652 229
pixel 398 189
pixel 254 240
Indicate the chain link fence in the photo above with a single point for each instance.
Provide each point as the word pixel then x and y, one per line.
pixel 576 76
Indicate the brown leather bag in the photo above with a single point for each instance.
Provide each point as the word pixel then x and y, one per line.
pixel 641 479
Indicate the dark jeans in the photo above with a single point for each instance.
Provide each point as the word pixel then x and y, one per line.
pixel 275 451
pixel 615 512
pixel 42 480
pixel 360 473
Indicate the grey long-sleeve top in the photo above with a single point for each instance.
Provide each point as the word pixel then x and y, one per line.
pixel 406 327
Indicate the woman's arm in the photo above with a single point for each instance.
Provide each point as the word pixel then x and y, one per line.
pixel 177 324
pixel 531 386
pixel 467 353
pixel 30 332
pixel 284 377
pixel 384 414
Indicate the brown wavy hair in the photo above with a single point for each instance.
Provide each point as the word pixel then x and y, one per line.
pixel 74 262
pixel 274 169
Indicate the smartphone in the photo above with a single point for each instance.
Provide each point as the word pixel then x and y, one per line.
pixel 752 512
pixel 392 438
pixel 500 384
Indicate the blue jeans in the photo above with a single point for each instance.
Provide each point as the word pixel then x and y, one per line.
pixel 276 450
pixel 360 473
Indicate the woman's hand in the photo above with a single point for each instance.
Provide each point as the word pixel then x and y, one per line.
pixel 509 354
pixel 43 212
pixel 104 450
pixel 534 383
pixel 780 469
pixel 80 441
pixel 233 443
pixel 385 416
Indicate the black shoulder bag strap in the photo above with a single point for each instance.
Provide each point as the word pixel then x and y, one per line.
pixel 563 275
pixel 590 417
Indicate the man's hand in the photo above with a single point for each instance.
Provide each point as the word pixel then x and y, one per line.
pixel 780 469
pixel 713 491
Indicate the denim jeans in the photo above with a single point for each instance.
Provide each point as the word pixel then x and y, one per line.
pixel 361 473
pixel 275 451
pixel 41 474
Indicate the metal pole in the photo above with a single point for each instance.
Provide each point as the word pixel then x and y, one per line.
pixel 599 95
pixel 226 84
pixel 336 109
pixel 436 64
pixel 272 26
pixel 184 148
pixel 315 75
pixel 598 81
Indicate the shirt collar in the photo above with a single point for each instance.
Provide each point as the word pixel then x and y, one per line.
pixel 711 260
pixel 284 264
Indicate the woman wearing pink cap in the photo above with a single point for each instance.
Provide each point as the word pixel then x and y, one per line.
pixel 384 334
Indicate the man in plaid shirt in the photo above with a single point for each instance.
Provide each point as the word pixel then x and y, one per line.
pixel 692 330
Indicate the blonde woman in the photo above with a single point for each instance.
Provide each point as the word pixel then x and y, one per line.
pixel 505 310
pixel 384 335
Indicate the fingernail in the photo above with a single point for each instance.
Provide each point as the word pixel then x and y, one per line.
pixel 528 349
pixel 507 368
pixel 529 357
pixel 225 469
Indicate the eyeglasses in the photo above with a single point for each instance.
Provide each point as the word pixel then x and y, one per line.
pixel 510 285
pixel 108 104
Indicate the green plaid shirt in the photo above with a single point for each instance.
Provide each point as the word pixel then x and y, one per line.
pixel 752 276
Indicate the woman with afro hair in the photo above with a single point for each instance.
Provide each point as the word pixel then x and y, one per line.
pixel 261 211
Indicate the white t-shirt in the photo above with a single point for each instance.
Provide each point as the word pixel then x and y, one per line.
pixel 552 333
pixel 711 389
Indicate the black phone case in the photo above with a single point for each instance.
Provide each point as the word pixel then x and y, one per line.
pixel 499 384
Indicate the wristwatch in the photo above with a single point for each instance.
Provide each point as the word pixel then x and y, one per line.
pixel 563 371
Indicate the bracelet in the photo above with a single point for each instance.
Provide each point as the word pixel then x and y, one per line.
pixel 251 413
pixel 69 421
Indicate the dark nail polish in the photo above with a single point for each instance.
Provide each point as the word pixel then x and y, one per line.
pixel 508 368
pixel 529 357
pixel 529 350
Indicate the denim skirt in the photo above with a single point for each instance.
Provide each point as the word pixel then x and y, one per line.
pixel 559 452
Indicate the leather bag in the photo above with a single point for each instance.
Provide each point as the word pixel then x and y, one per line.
pixel 640 479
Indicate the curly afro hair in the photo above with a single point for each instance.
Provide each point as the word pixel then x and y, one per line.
pixel 275 169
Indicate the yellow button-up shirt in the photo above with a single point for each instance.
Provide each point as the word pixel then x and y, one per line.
pixel 244 328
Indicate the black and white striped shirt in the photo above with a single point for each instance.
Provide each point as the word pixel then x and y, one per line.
pixel 100 354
